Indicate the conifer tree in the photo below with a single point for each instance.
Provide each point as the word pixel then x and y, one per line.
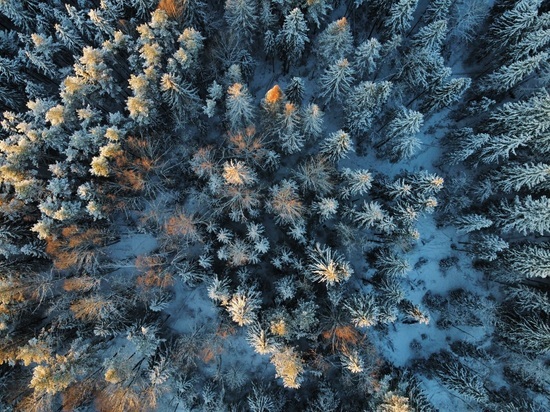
pixel 242 18
pixel 364 102
pixel 445 94
pixel 509 76
pixel 400 16
pixel 525 215
pixel 239 111
pixel 317 10
pixel 336 81
pixel 293 37
pixel 335 42
pixel 531 44
pixel 336 146
pixel 312 120
pixel 515 177
pixel 366 56
pixel 432 36
pixel 401 134
pixel 295 90
pixel 529 261
pixel 510 27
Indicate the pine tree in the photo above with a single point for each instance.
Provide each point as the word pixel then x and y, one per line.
pixel 285 203
pixel 312 120
pixel 317 10
pixel 400 16
pixel 336 146
pixel 511 26
pixel 401 133
pixel 525 215
pixel 391 264
pixel 242 18
pixel 336 81
pixel 431 36
pixel 466 18
pixel 335 42
pixel 518 176
pixel 437 10
pixel 500 147
pixel 423 68
pixel 295 90
pixel 445 94
pixel 366 56
pixel 239 107
pixel 293 37
pixel 531 44
pixel 531 333
pixel 243 306
pixel 315 175
pixel 529 260
pixel 488 247
pixel 364 103
pixel 529 118
pixel 287 125
pixel 363 310
pixel 509 76
pixel 327 265
pixel 470 223
pixel 288 366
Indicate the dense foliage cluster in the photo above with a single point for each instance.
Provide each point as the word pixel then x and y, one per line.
pixel 156 151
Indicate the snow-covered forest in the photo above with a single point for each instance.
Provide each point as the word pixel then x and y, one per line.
pixel 275 205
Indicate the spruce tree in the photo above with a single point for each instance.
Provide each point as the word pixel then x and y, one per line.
pixel 293 37
pixel 335 83
pixel 335 42
pixel 366 56
pixel 239 111
pixel 242 18
pixel 400 16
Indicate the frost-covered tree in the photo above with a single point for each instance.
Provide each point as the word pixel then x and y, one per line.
pixel 523 215
pixel 530 44
pixel 445 94
pixel 327 265
pixel 335 42
pixel 288 366
pixel 293 37
pixel 317 10
pixel 488 247
pixel 401 134
pixel 529 261
pixel 285 202
pixel 510 27
pixel 529 118
pixel 312 120
pixel 336 146
pixel 364 102
pixel 509 76
pixel 363 310
pixel 366 56
pixel 514 177
pixel 239 111
pixel 335 83
pixel 431 36
pixel 400 16
pixel 295 90
pixel 242 18
pixel 472 222
pixel 437 10
pixel 391 264
pixel 287 125
pixel 243 306
pixel 316 175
